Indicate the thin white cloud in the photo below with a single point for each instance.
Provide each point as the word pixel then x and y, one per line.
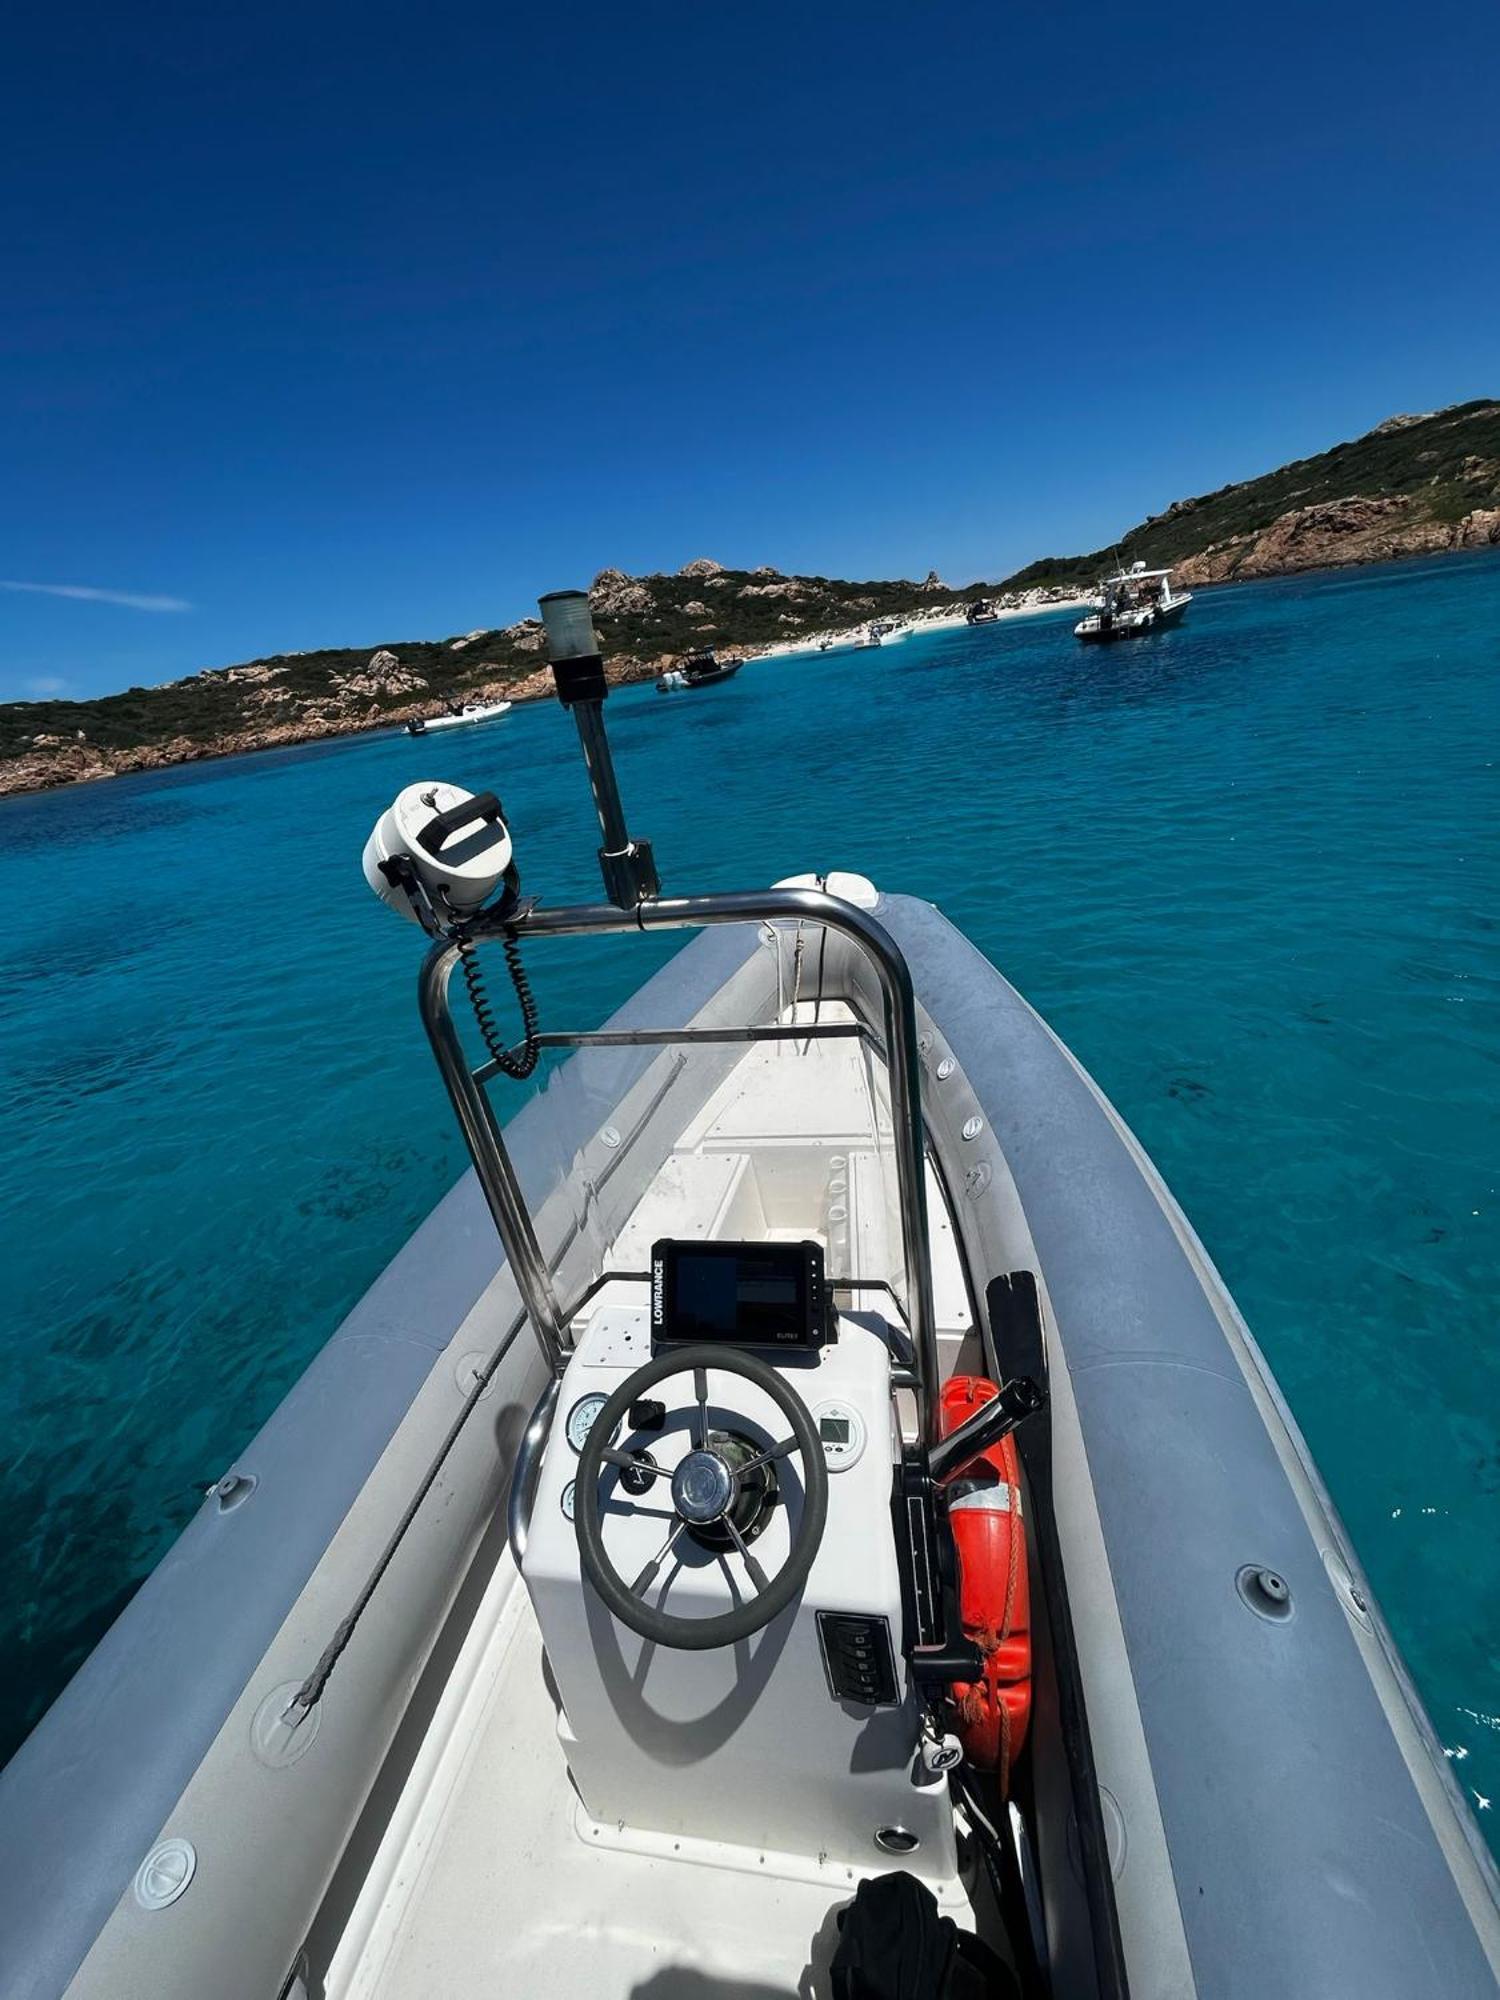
pixel 133 599
pixel 43 684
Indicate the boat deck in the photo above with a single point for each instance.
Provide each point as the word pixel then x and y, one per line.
pixel 464 1898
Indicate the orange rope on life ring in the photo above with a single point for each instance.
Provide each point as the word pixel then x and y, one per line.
pixel 989 1537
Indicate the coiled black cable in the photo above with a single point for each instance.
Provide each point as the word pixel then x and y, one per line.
pixel 519 1066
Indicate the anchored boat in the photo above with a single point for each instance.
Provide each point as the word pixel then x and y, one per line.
pixel 697 670
pixel 806 1498
pixel 458 718
pixel 1134 602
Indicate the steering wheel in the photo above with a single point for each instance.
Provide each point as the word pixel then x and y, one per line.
pixel 704 1488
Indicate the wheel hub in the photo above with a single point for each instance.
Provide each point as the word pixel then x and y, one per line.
pixel 702 1488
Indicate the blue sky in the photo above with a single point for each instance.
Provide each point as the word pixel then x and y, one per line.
pixel 338 325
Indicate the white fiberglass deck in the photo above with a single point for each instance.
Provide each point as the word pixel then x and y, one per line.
pixel 493 1882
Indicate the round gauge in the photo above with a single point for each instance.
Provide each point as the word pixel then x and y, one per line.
pixel 581 1418
pixel 567 1499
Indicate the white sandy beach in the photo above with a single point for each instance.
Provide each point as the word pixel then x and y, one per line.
pixel 1030 604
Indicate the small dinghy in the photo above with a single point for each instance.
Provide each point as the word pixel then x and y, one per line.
pixel 804 1505
pixel 458 718
pixel 1136 601
pixel 697 670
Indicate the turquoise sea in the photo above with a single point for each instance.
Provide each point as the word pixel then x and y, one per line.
pixel 1249 870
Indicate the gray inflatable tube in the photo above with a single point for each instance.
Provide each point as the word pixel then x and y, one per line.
pixel 1281 1818
pixel 1277 1815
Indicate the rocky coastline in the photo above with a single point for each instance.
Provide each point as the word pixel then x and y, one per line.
pixel 645 624
pixel 55 760
pixel 1338 534
pixel 386 692
pixel 1414 486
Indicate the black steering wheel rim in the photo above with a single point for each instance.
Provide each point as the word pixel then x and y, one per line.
pixel 726 1628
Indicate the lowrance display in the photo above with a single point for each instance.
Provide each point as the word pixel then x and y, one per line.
pixel 745 1294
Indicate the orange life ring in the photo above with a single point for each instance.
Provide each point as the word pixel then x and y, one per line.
pixel 989 1536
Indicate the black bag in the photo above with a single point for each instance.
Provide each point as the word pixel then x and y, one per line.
pixel 893 1945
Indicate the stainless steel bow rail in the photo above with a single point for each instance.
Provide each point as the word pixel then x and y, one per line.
pixel 492 1162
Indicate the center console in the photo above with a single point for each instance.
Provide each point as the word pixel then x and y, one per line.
pixel 795 1749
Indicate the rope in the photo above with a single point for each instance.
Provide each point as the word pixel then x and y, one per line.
pixel 1017 1531
pixel 311 1690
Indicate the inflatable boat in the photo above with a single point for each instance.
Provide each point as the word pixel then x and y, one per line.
pixel 458 718
pixel 697 670
pixel 804 1506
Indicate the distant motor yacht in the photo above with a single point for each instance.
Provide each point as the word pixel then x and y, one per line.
pixel 1133 602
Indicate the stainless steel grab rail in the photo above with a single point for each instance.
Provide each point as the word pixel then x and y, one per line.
pixel 492 1163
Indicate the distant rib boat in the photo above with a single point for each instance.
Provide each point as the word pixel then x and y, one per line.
pixel 458 718
pixel 697 670
pixel 1136 601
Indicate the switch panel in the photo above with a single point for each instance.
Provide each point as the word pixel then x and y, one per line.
pixel 858 1658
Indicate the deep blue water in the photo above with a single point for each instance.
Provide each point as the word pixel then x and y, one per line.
pixel 1248 869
